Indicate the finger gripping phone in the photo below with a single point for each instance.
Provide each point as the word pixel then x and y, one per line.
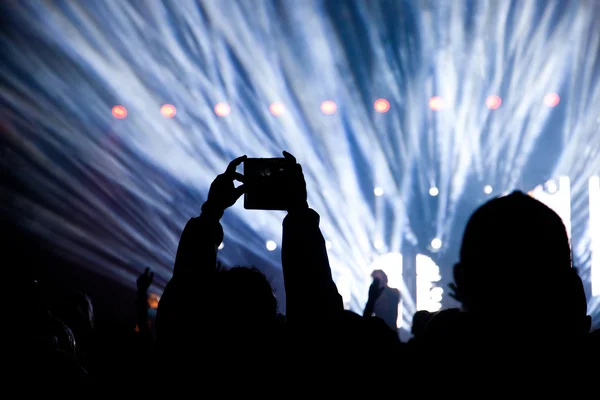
pixel 265 181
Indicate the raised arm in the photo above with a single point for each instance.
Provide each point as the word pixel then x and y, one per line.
pixel 195 263
pixel 197 251
pixel 311 293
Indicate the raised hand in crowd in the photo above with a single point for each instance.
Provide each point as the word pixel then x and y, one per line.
pixel 295 185
pixel 143 284
pixel 223 193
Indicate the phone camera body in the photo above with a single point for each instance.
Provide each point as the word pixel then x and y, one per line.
pixel 265 182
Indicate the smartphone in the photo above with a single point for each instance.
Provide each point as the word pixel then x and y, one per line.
pixel 264 183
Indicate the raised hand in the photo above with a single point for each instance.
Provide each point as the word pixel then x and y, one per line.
pixel 375 289
pixel 223 193
pixel 145 280
pixel 296 185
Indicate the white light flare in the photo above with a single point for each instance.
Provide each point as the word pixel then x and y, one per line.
pixel 429 296
pixel 552 187
pixel 344 287
pixel 594 195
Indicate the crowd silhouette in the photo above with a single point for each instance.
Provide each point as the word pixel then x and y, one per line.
pixel 522 324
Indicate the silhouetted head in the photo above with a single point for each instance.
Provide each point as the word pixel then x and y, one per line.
pixel 246 297
pixel 371 340
pixel 380 276
pixel 419 322
pixel 446 329
pixel 514 261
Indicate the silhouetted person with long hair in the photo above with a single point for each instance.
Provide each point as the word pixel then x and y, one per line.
pixel 231 316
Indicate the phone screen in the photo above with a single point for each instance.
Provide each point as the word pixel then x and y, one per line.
pixel 264 180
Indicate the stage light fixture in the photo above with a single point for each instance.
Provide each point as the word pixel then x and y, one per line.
pixel 378 244
pixel 222 109
pixel 382 105
pixel 119 112
pixel 277 109
pixel 551 187
pixel 551 99
pixel 436 103
pixel 328 107
pixel 168 110
pixel 493 102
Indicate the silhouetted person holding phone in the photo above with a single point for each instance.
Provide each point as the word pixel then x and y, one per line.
pixel 203 323
pixel 218 317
